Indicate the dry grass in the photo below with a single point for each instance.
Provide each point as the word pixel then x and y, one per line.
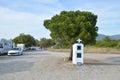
pixel 102 50
pixel 91 50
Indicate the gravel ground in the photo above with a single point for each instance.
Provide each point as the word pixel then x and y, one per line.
pixel 44 65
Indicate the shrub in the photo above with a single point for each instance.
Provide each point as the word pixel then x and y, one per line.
pixel 110 43
pixel 118 45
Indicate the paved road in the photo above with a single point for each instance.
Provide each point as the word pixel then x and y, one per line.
pixel 44 65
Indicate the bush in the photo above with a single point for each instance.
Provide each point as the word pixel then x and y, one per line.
pixel 118 45
pixel 111 44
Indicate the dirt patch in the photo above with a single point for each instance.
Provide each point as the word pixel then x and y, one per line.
pixel 44 65
pixel 91 50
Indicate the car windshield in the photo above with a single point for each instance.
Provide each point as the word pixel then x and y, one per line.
pixel 15 49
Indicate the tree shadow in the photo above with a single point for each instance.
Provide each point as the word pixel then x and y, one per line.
pixel 89 61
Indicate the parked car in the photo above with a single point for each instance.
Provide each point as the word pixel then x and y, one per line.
pixel 15 51
pixel 32 48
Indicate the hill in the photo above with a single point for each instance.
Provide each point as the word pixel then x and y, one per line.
pixel 113 37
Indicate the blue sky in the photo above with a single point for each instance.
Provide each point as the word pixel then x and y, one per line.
pixel 27 16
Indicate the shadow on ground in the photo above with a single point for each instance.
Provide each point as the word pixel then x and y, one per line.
pixel 109 61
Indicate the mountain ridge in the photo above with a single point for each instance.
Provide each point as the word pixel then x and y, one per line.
pixel 113 37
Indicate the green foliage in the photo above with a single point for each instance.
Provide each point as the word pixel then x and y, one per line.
pixel 37 42
pixel 118 45
pixel 28 40
pixel 107 42
pixel 69 26
pixel 45 43
pixel 106 39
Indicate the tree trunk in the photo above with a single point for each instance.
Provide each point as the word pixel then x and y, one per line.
pixel 71 53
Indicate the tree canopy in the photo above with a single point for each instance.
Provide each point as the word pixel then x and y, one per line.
pixel 45 43
pixel 28 40
pixel 68 26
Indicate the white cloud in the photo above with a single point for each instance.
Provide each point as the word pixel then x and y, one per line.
pixel 12 22
pixel 27 16
pixel 108 15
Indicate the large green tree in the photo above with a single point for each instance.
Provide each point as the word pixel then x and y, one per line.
pixel 45 43
pixel 68 26
pixel 28 40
